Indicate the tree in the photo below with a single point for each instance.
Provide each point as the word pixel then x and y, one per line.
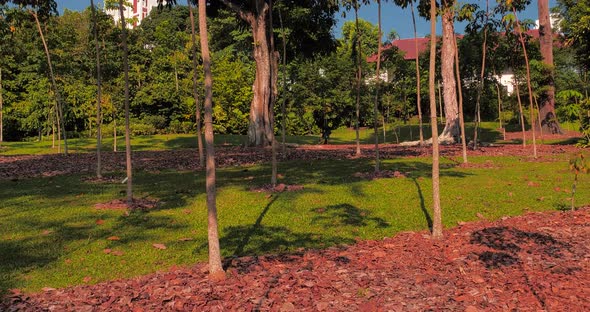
pixel 549 121
pixel 403 4
pixel 195 88
pixel 260 132
pixel 378 80
pixel 215 268
pixel 98 91
pixel 452 129
pixel 126 99
pixel 437 213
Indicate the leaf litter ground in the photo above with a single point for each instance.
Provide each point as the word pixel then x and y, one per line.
pixel 539 261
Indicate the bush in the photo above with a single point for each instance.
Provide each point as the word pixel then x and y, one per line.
pixel 585 123
pixel 176 126
pixel 157 122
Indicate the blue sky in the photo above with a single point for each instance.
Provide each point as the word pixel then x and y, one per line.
pixel 393 17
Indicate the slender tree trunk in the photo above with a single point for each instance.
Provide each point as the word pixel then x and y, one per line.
pixel 461 117
pixel 359 76
pixel 437 213
pixel 273 96
pixel 98 93
pixel 549 121
pixel 127 130
pixel 53 128
pixel 500 110
pixel 528 78
pixel 283 102
pixel 481 79
pixel 375 111
pixel 1 110
pixel 215 268
pixel 440 102
pixel 195 89
pixel 418 83
pixel 521 112
pixel 114 134
pixel 53 83
pixel 452 129
pixel 539 119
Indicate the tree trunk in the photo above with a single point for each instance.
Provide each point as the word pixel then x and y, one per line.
pixel 377 88
pixel 452 129
pixel 481 79
pixel 53 83
pixel 520 112
pixel 274 70
pixel 283 102
pixel 418 83
pixel 215 268
pixel 437 213
pixel 127 130
pixel 98 93
pixel 461 117
pixel 359 76
pixel 195 89
pixel 114 134
pixel 549 122
pixel 1 110
pixel 260 131
pixel 528 81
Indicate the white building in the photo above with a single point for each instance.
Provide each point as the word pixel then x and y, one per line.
pixel 140 10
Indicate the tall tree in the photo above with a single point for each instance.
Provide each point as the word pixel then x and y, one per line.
pixel 127 129
pixel 404 4
pixel 359 76
pixel 437 213
pixel 452 129
pixel 260 130
pixel 98 91
pixel 215 268
pixel 378 81
pixel 274 70
pixel 549 121
pixel 44 9
pixel 195 88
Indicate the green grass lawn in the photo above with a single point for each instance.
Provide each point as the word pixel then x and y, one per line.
pixel 49 236
pixel 394 133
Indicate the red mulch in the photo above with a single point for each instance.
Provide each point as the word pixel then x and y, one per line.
pixel 27 166
pixel 539 261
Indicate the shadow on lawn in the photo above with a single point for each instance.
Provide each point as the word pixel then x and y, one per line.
pixel 346 214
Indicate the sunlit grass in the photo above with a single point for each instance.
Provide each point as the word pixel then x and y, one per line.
pixel 49 236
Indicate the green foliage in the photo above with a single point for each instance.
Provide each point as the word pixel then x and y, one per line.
pixel 585 122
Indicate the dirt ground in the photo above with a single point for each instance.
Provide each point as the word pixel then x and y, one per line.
pixel 535 262
pixel 27 166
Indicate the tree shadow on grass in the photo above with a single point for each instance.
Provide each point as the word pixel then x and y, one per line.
pixel 346 214
pixel 422 205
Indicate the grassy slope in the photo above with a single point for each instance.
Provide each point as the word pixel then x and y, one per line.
pixel 49 236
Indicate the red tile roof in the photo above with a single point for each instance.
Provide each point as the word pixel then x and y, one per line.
pixel 407 47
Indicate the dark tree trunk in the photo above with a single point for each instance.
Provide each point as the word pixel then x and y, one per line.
pixel 1 111
pixel 452 129
pixel 215 268
pixel 127 130
pixel 195 89
pixel 549 123
pixel 437 212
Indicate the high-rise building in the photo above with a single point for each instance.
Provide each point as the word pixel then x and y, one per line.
pixel 140 10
